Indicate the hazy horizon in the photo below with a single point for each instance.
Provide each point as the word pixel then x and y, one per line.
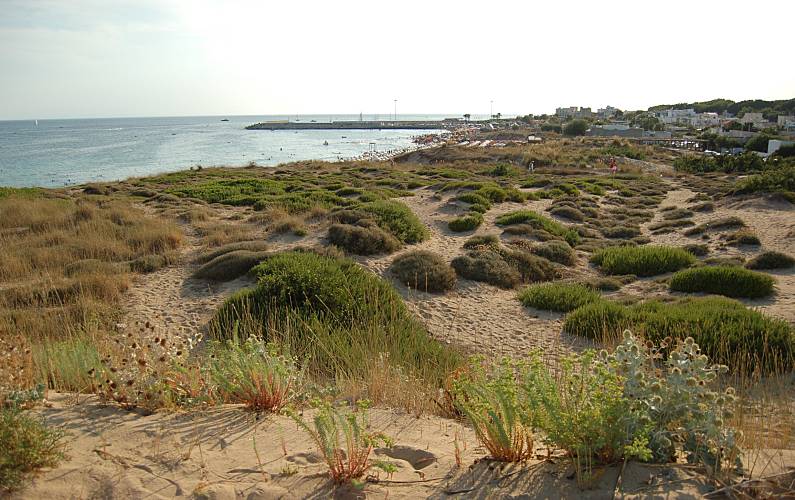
pixel 175 58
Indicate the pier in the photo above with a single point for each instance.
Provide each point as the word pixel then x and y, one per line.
pixel 358 125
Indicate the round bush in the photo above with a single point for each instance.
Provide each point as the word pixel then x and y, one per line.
pixel 487 266
pixel 467 223
pixel 649 260
pixel 334 315
pixel 362 240
pixel 570 213
pixel 423 270
pixel 230 265
pixel 486 240
pixel 556 251
pixel 723 280
pixel 771 260
pixel 560 297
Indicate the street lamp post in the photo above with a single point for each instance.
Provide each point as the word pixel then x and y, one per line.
pixel 395 116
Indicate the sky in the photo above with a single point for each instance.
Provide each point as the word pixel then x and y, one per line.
pixel 107 58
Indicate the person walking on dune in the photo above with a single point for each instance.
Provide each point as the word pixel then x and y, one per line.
pixel 613 166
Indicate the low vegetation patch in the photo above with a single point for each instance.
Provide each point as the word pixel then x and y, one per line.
pixel 423 270
pixel 560 297
pixel 648 260
pixel 697 249
pixel 723 280
pixel 504 267
pixel 727 331
pixel 369 240
pixel 538 221
pixel 722 224
pixel 743 237
pixel 230 265
pixel 469 222
pixel 486 240
pixel 556 251
pixel 771 260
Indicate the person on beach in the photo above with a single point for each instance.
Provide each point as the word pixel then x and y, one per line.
pixel 531 168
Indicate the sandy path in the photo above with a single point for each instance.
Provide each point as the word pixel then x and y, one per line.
pixel 172 301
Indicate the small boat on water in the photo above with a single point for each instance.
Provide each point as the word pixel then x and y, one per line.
pixel 224 119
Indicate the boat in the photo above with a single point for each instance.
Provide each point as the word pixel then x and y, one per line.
pixel 224 119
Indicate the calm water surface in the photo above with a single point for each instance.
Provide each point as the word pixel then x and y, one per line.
pixel 59 152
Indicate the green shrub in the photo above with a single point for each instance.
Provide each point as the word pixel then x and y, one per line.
pixel 706 206
pixel 697 249
pixel 230 265
pixel 474 199
pixel 486 240
pixel 605 284
pixel 647 260
pixel 333 316
pixel 771 260
pixel 538 221
pixel 721 224
pixel 251 246
pixel 727 331
pixel 398 219
pixel 493 193
pixel 560 297
pixel 723 280
pixel 362 240
pixel 487 266
pixel 28 444
pixel 575 127
pixel 556 251
pixel 743 237
pixel 466 223
pixel 774 180
pixel 423 270
pixel 569 213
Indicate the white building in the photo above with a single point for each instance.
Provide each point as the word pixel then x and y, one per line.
pixel 676 116
pixel 787 122
pixel 607 113
pixel 703 120
pixel 755 119
pixel 773 145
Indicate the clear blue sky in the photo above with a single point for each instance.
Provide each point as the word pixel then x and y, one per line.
pixel 97 58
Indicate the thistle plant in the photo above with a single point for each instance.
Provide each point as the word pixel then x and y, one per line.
pixel 343 439
pixel 491 400
pixel 676 395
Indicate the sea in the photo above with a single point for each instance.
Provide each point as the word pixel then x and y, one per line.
pixel 54 153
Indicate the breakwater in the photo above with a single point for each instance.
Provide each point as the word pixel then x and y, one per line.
pixel 358 125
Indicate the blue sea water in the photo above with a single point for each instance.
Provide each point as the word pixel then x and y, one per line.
pixel 55 153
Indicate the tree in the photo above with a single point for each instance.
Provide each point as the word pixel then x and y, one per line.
pixel 758 143
pixel 466 117
pixel 575 127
